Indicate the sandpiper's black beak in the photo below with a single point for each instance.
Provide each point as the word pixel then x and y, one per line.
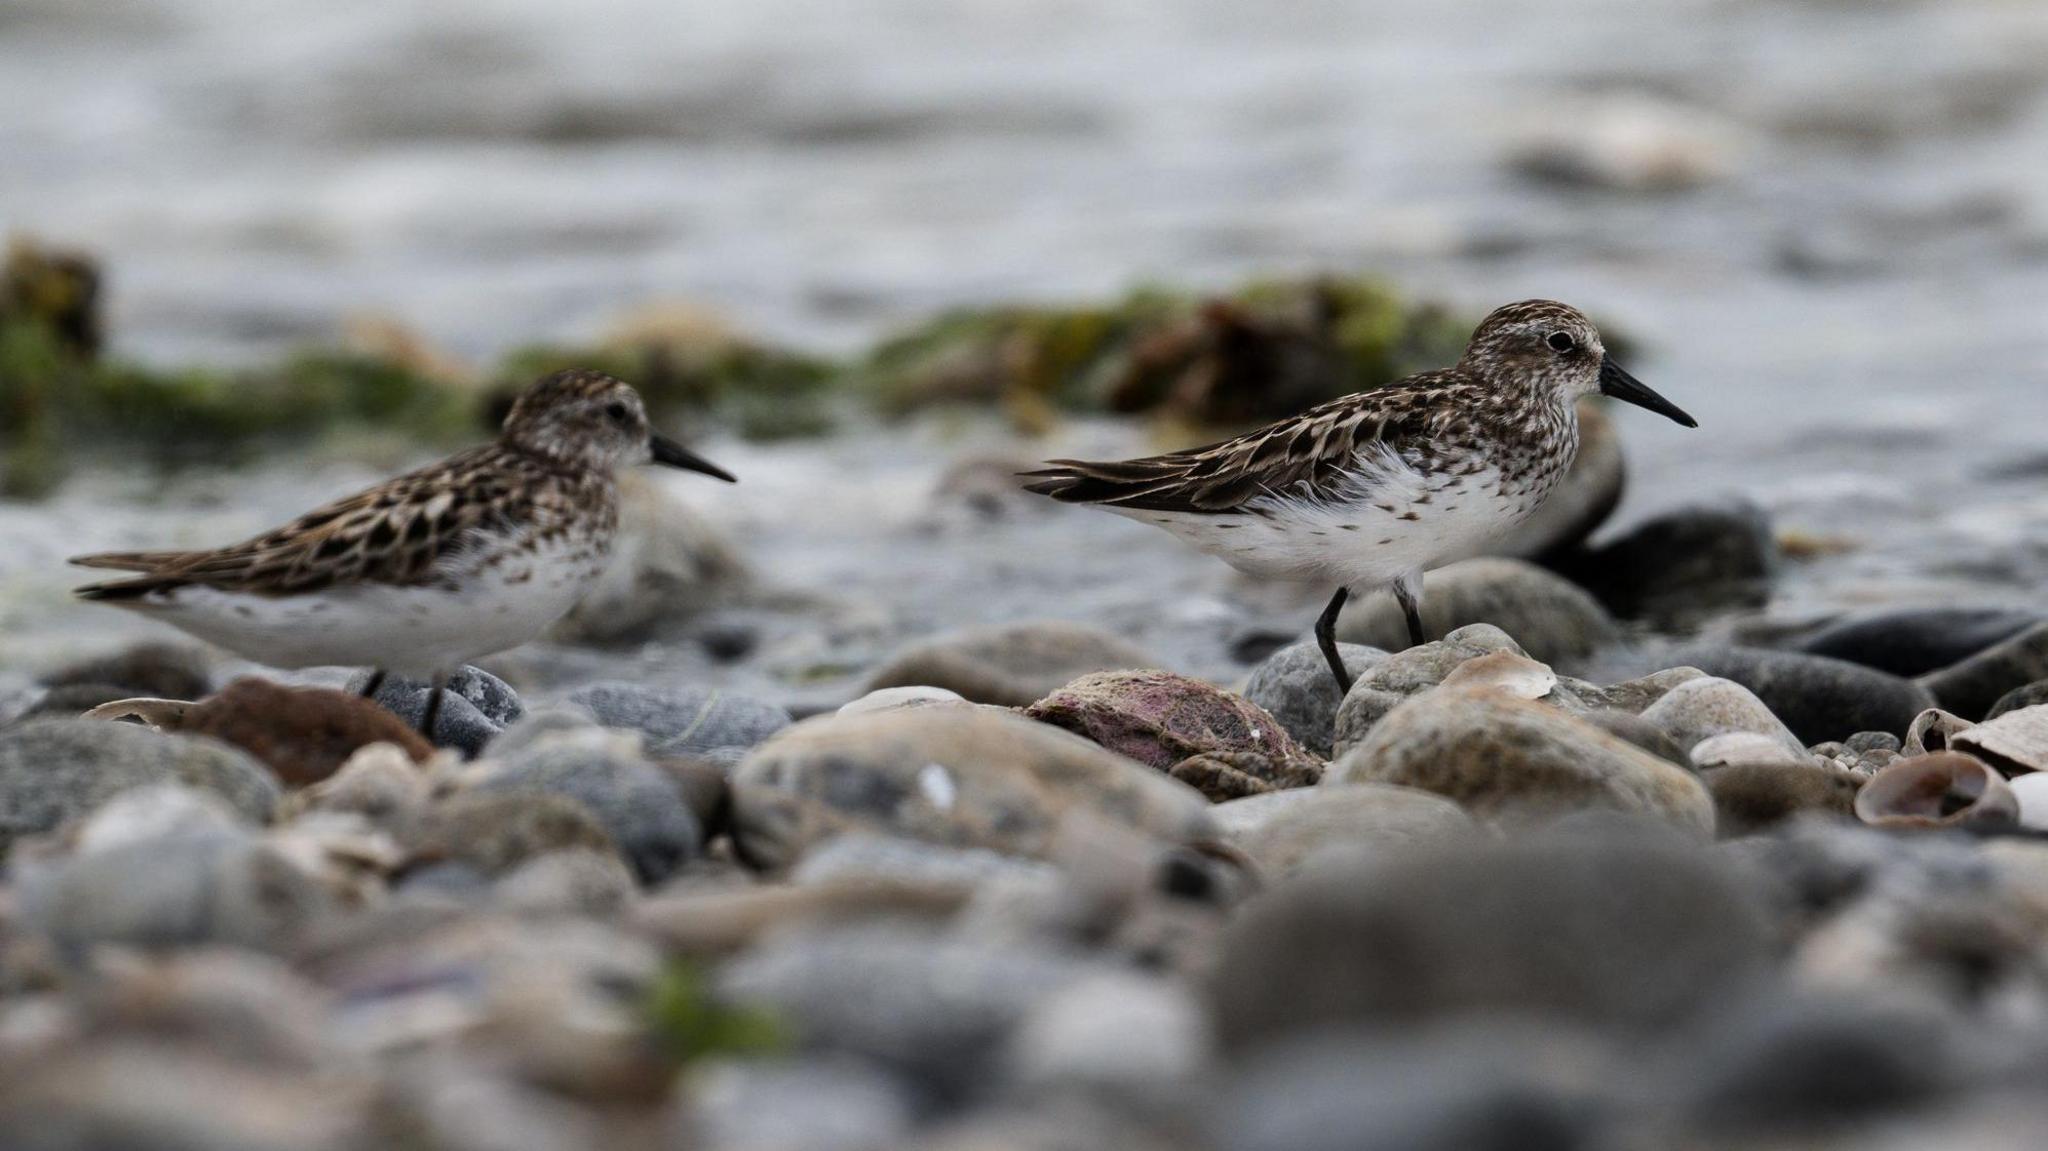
pixel 1615 381
pixel 671 454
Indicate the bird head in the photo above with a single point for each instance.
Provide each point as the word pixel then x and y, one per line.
pixel 1552 346
pixel 592 420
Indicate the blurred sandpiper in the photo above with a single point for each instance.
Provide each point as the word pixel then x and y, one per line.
pixel 1372 489
pixel 432 569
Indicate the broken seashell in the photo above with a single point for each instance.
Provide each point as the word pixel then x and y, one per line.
pixel 2015 743
pixel 1945 789
pixel 1504 671
pixel 156 714
pixel 1931 731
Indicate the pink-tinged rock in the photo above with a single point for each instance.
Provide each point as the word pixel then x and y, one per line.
pixel 1161 719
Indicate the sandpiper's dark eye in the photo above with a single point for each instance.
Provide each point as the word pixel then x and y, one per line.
pixel 619 414
pixel 1561 342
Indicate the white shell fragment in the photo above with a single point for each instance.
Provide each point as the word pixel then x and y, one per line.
pixel 1504 671
pixel 1945 789
pixel 1931 731
pixel 2015 743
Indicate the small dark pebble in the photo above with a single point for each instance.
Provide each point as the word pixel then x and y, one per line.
pixel 1867 741
pixel 729 641
pixel 1253 645
pixel 477 706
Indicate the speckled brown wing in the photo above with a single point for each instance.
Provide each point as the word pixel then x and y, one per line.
pixel 399 532
pixel 1306 455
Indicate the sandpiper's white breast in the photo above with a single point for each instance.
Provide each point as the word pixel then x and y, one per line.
pixel 1387 519
pixel 495 595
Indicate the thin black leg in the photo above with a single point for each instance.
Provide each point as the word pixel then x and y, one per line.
pixel 376 681
pixel 1411 606
pixel 1326 638
pixel 433 712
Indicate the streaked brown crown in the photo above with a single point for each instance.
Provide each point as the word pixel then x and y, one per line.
pixel 579 418
pixel 1515 347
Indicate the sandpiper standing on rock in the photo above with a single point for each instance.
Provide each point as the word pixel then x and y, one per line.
pixel 427 571
pixel 1372 489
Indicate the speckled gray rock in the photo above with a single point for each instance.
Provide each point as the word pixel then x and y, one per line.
pixel 1117 1031
pixel 1009 664
pixel 1635 932
pixel 1818 698
pixel 1475 1088
pixel 575 882
pixel 1972 687
pixel 1497 755
pixel 703 722
pixel 131 1092
pixel 968 777
pixel 1402 674
pixel 173 891
pixel 1631 728
pixel 1710 706
pixel 1296 686
pixel 937 1007
pixel 477 706
pixel 157 811
pixel 801 1104
pixel 640 806
pixel 1281 829
pixel 1864 742
pixel 863 858
pixel 496 831
pixel 54 770
pixel 1551 618
pixel 538 724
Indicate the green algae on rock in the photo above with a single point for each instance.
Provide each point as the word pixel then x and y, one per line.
pixel 1266 350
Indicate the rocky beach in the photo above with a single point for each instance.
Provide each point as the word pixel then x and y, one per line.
pixel 873 803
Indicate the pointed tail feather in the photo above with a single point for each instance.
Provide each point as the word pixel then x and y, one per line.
pixel 123 591
pixel 130 561
pixel 1084 482
pixel 1117 484
pixel 151 566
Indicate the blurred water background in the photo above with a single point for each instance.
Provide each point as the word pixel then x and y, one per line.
pixel 1826 223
